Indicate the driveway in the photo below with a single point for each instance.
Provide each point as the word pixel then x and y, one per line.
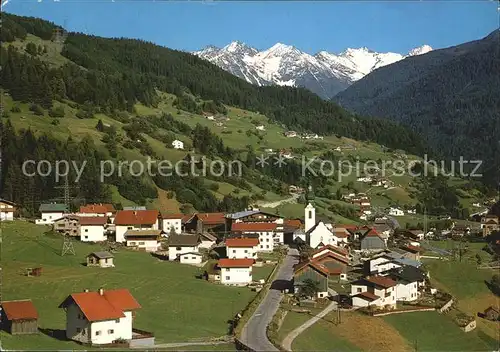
pixel 254 334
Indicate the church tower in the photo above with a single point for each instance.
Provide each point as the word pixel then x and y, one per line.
pixel 309 211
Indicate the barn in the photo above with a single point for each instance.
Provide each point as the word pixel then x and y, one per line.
pixel 20 317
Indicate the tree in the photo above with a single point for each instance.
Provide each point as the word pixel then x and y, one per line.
pixel 309 288
pixel 478 259
pixel 99 126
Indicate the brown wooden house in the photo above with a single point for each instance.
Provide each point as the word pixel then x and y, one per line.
pixel 19 317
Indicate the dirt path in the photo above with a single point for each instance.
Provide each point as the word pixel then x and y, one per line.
pixel 276 204
pixel 287 341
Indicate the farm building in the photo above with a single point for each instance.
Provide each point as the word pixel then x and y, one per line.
pixel 147 240
pixel 7 210
pixel 21 317
pixel 51 212
pixel 102 259
pixel 191 258
pixel 180 244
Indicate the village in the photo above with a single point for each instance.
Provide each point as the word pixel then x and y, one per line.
pixel 376 269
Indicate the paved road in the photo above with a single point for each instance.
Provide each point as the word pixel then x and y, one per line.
pixel 254 334
pixel 287 341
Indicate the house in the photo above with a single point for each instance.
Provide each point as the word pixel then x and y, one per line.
pixel 492 313
pixel 97 210
pixel 101 317
pixel 382 264
pixel 177 144
pixel 310 270
pixel 286 154
pixel 340 235
pixel 19 317
pixel 336 264
pixel 330 249
pixel 92 228
pixel 290 134
pixel 7 210
pixel 242 248
pixel 299 235
pixel 126 220
pixel 191 258
pixel 145 240
pixel 411 251
pixel 171 223
pixel 235 271
pixel 409 281
pixel 68 225
pixel 260 128
pixel 396 212
pixel 180 244
pixel 206 222
pixel 417 234
pixel 101 259
pixel 376 290
pixel 265 230
pixel 207 240
pixel 210 117
pixel 51 212
pixel 489 224
pixel 257 216
pixel 411 211
pixel 371 240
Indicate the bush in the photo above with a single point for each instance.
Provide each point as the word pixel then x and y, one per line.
pixel 15 108
pixel 56 111
pixel 36 109
pixel 55 122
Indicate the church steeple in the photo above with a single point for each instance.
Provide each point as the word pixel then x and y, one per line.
pixel 310 195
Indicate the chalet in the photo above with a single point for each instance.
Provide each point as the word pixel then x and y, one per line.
pixel 92 228
pixel 489 224
pixel 207 240
pixel 331 249
pixel 101 259
pixel 19 317
pixel 340 235
pixel 145 240
pixel 206 222
pixel 311 270
pixel 290 134
pixel 417 234
pixel 97 210
pixel 101 317
pixel 265 230
pixel 68 225
pixel 336 264
pixel 374 291
pixel 126 220
pixel 7 210
pixel 171 223
pixel 371 241
pixel 180 244
pixel 411 251
pixel 51 212
pixel 235 271
pixel 242 248
pixel 396 212
pixel 177 144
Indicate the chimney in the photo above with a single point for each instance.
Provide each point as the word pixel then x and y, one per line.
pixel 135 212
pixel 101 291
pixel 86 290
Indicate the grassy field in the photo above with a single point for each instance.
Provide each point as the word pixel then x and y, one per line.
pixel 440 333
pixel 175 305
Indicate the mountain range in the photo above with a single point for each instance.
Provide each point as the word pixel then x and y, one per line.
pixel 324 73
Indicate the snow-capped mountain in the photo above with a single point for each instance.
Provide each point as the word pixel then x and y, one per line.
pixel 325 73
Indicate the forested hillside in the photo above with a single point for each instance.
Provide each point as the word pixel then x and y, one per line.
pixel 112 74
pixel 450 97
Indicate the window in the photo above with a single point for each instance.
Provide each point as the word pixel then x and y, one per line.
pixel 117 320
pixel 387 294
pixel 98 332
pixel 234 250
pixel 86 237
pixel 267 239
pixel 111 331
pixel 227 269
pixel 78 330
pixel 228 278
pixel 261 246
pixel 194 258
pixel 246 251
pixel 86 230
pixel 267 246
pixel 310 214
pixel 359 289
pixel 105 260
pixel 178 248
pixel 132 243
pixel 141 243
pixel 129 228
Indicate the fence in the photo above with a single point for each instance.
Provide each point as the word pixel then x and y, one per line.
pixel 400 311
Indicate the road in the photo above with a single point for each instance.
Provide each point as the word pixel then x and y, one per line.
pixel 287 341
pixel 254 334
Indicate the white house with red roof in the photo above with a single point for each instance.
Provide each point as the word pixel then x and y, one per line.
pixel 374 291
pixel 97 210
pixel 235 271
pixel 92 228
pixel 265 230
pixel 126 220
pixel 99 317
pixel 242 248
pixel 171 222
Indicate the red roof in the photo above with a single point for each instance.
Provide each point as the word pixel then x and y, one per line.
pixel 313 264
pixel 254 226
pixel 382 281
pixel 235 263
pixel 242 242
pixel 367 295
pixel 93 220
pixel 347 227
pixel 372 233
pixel 411 248
pixel 97 208
pixel 136 217
pixel 340 232
pixel 212 218
pixel 332 255
pixel 186 218
pixel 20 310
pixel 110 305
pixel 173 216
pixel 293 223
pixel 331 248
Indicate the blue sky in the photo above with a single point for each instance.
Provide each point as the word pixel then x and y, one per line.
pixel 310 26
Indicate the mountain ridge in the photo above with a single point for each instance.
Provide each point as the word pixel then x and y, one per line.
pixel 323 73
